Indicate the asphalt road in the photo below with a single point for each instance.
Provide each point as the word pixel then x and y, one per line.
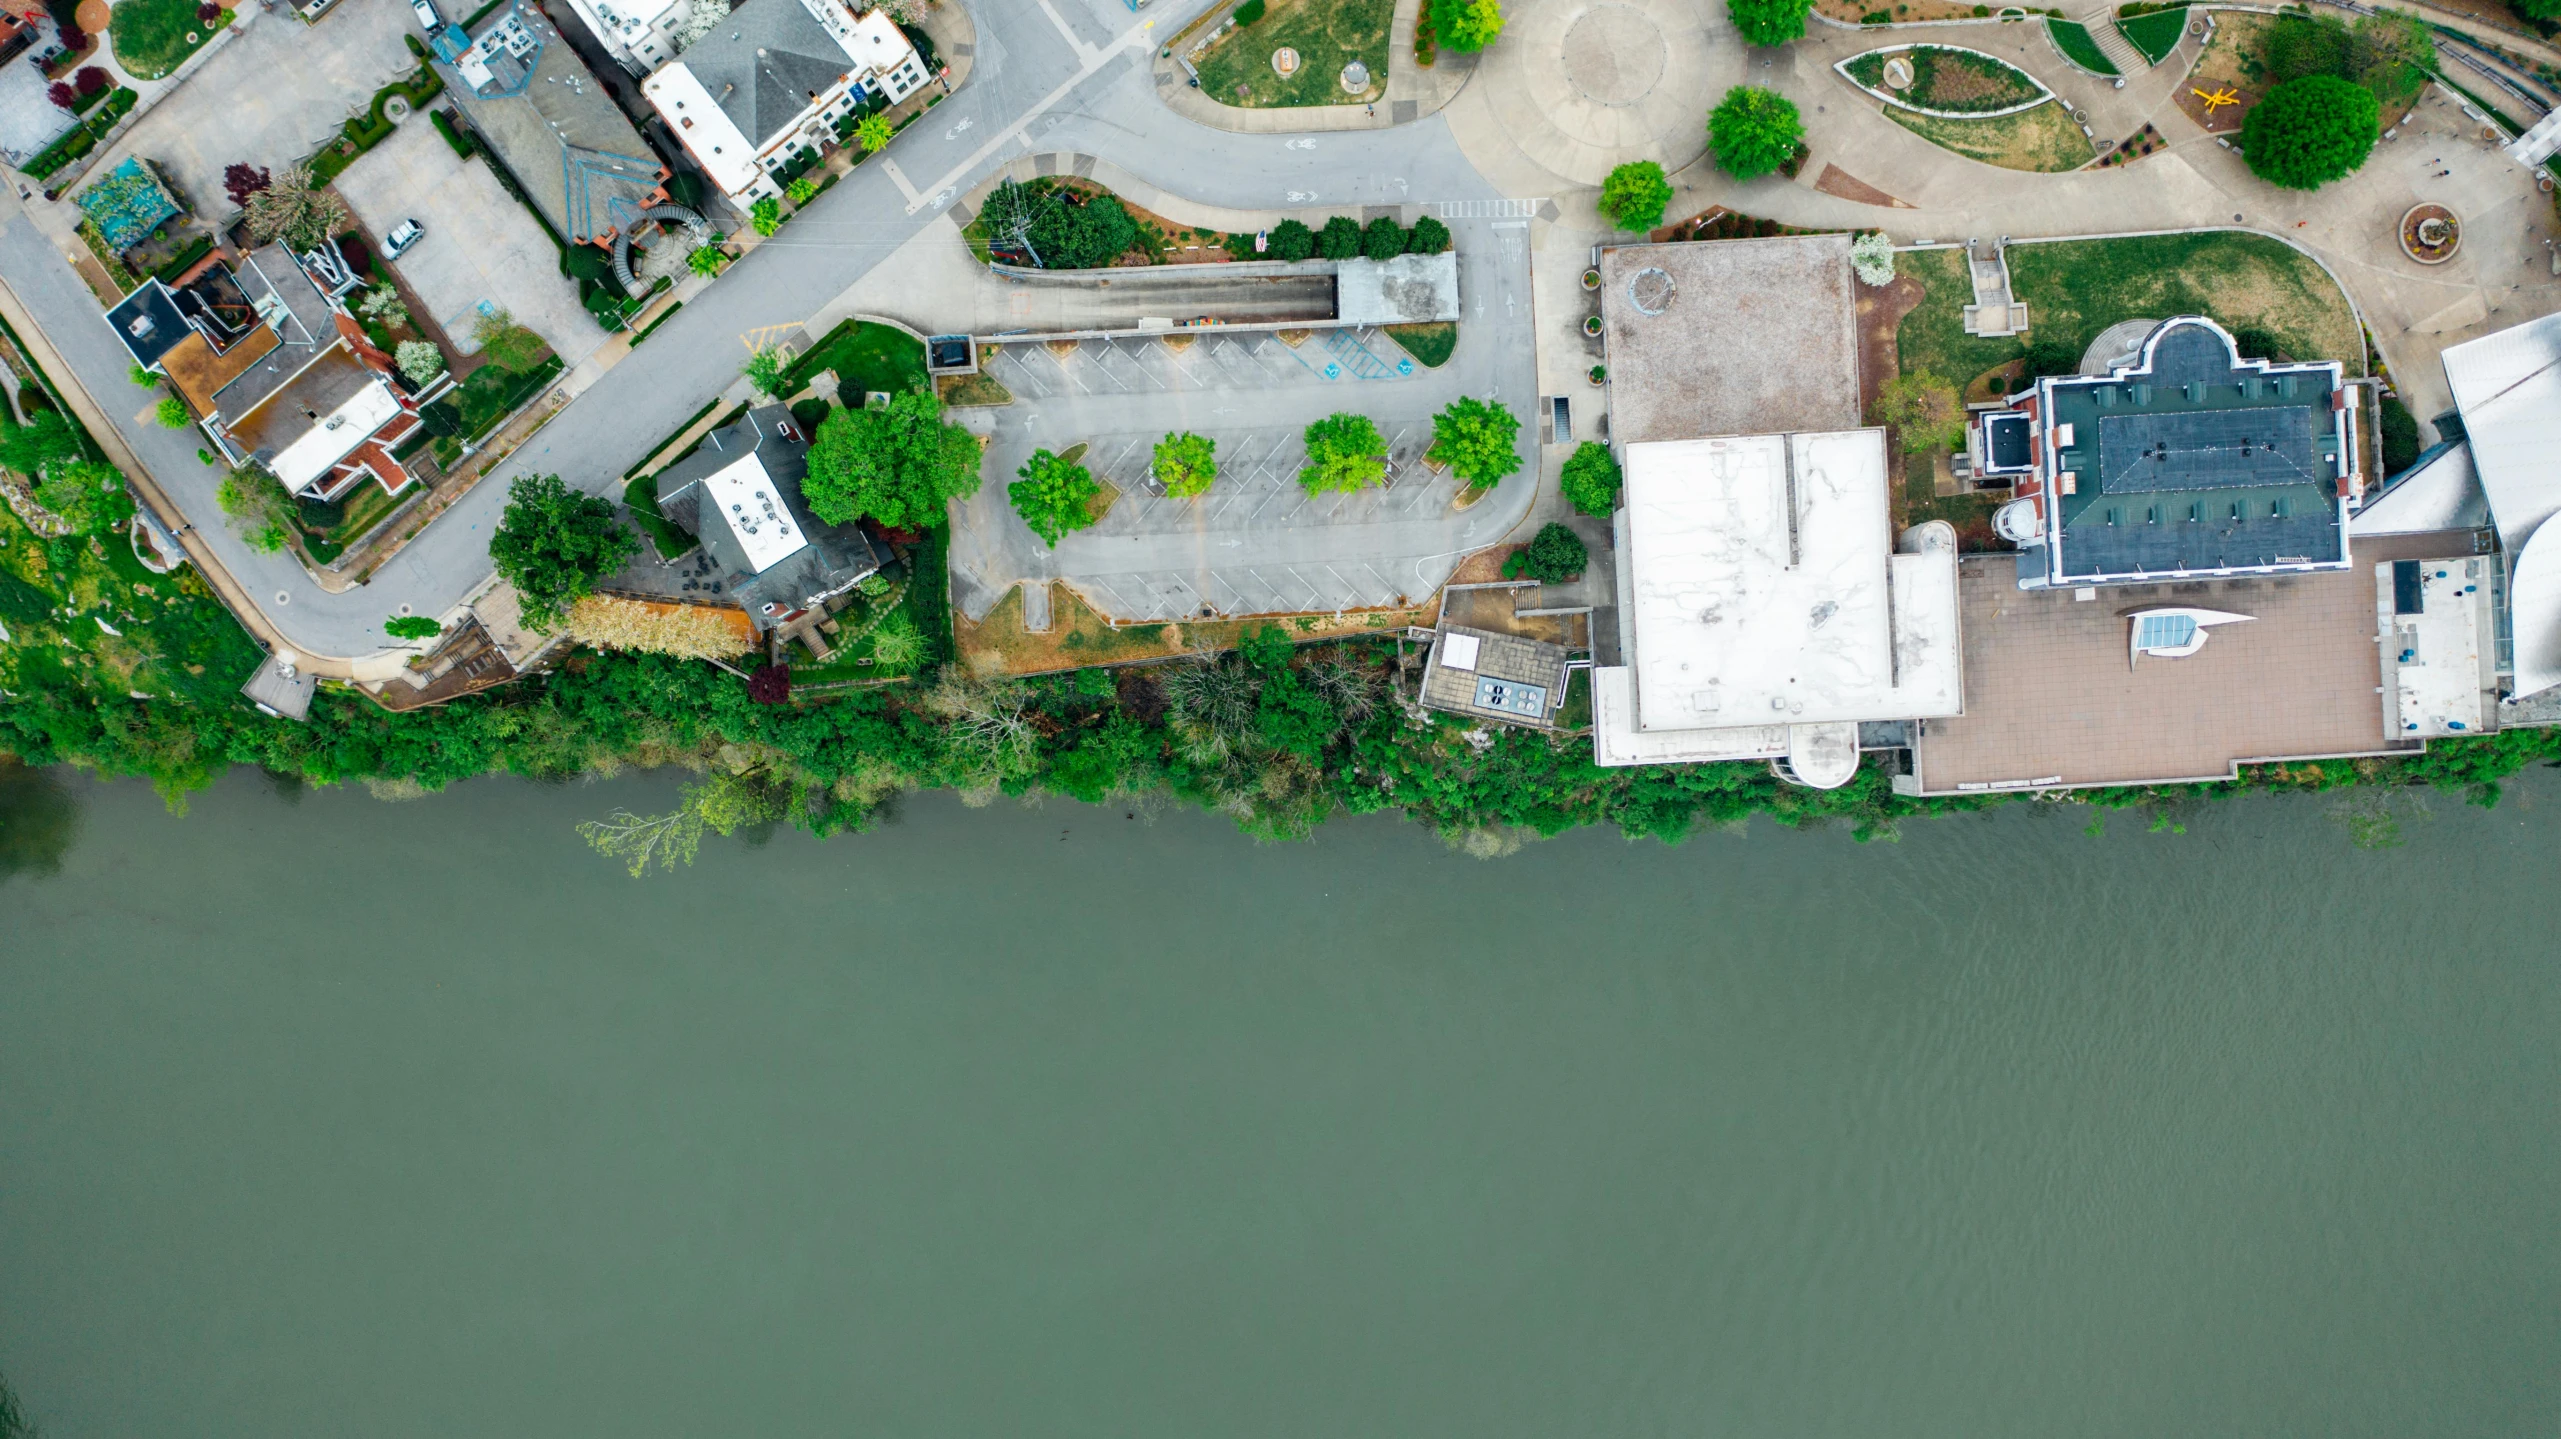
pixel 1049 74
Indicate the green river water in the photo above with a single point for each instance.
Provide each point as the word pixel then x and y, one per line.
pixel 321 1116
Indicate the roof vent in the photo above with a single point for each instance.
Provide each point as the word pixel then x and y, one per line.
pixel 1651 290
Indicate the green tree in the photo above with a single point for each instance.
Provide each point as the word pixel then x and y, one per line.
pixel 2294 46
pixel 706 260
pixel 801 191
pixel 45 439
pixel 1478 440
pixel 508 345
pixel 2400 436
pixel 1466 25
pixel 1340 239
pixel 1081 234
pixel 171 413
pixel 1769 22
pixel 1924 409
pixel 769 372
pixel 88 493
pixel 2309 132
pixel 1753 131
pixel 1382 239
pixel 1553 556
pixel 1428 237
pixel 1591 480
pixel 412 627
pixel 1344 452
pixel 1634 194
pixel 2391 52
pixel 143 377
pixel 1054 496
pixel 765 216
pixel 1186 464
pixel 553 543
pixel 258 506
pixel 873 132
pixel 1292 241
pixel 899 465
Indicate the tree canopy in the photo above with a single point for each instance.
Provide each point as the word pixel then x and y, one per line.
pixel 1062 229
pixel 1634 194
pixel 1382 239
pixel 1344 452
pixel 898 464
pixel 1292 241
pixel 291 208
pixel 1477 440
pixel 1340 239
pixel 2310 131
pixel 1428 237
pixel 1186 464
pixel 1753 131
pixel 1553 556
pixel 1923 408
pixel 1466 25
pixel 90 494
pixel 1769 22
pixel 1591 479
pixel 1055 496
pixel 553 544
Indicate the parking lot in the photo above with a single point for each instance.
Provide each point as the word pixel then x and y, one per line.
pixel 481 250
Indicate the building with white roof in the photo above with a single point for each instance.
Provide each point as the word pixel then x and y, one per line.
pixel 640 34
pixel 774 80
pixel 740 495
pixel 2507 388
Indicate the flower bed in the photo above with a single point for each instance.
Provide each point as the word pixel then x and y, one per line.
pixel 1947 81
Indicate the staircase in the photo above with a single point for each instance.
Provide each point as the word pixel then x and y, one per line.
pixel 2100 21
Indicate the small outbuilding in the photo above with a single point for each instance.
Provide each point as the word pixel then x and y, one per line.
pixel 1487 675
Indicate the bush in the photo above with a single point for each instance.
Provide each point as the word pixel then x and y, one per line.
pixel 172 412
pixel 1924 408
pixel 1340 239
pixel 766 215
pixel 587 264
pixel 1292 241
pixel 1753 132
pixel 454 137
pixel 2400 436
pixel 1633 196
pixel 411 627
pixel 2051 357
pixel 419 361
pixel 801 191
pixel 90 80
pixel 1769 22
pixel 1344 452
pixel 1249 12
pixel 1556 554
pixel 61 94
pixel 1591 479
pixel 1428 237
pixel 1872 256
pixel 1382 239
pixel 2310 131
pixel 2295 46
pixel 320 514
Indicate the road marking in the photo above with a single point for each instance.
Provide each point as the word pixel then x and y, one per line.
pixel 898 177
pixel 1094 61
pixel 768 337
pixel 954 132
pixel 1306 144
pixel 1490 209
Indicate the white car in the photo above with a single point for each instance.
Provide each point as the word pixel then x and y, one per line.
pixel 399 240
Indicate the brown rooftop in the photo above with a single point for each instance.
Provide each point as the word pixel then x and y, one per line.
pixel 1730 337
pixel 280 419
pixel 200 374
pixel 2051 700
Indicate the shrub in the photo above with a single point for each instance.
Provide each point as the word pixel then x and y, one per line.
pixel 1590 482
pixel 1753 131
pixel 90 80
pixel 2254 343
pixel 589 264
pixel 411 627
pixel 2295 46
pixel 2400 436
pixel 1553 556
pixel 1478 440
pixel 706 260
pixel 1769 22
pixel 1292 241
pixel 1055 497
pixel 441 419
pixel 1249 12
pixel 1344 452
pixel 801 191
pixel 1872 256
pixel 1633 196
pixel 172 412
pixel 2310 131
pixel 1428 237
pixel 419 361
pixel 1382 239
pixel 320 514
pixel 896 644
pixel 60 94
pixel 258 507
pixel 873 133
pixel 765 216
pixel 1186 464
pixel 1466 25
pixel 460 142
pixel 1340 239
pixel 769 372
pixel 142 377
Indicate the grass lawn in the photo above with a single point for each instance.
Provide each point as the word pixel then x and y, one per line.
pixel 1429 344
pixel 2073 39
pixel 365 507
pixel 152 36
pixel 1327 34
pixel 2077 288
pixel 2043 139
pixel 2156 34
pixel 865 356
pixel 642 496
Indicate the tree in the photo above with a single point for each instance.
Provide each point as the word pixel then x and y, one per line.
pixel 1634 194
pixel 242 181
pixel 706 259
pixel 90 80
pixel 1340 239
pixel 1382 239
pixel 873 132
pixel 1080 233
pixel 1292 241
pixel 1344 453
pixel 899 465
pixel 2298 45
pixel 61 94
pixel 553 544
pixel 896 643
pixel 89 494
pixel 770 684
pixel 419 361
pixel 2400 436
pixel 440 419
pixel 1428 237
pixel 1753 131
pixel 2309 132
pixel 769 372
pixel 766 215
pixel 509 346
pixel 1924 409
pixel 294 210
pixel 2391 52
pixel 412 627
pixel 687 631
pixel 1591 479
pixel 1186 464
pixel 1054 496
pixel 382 302
pixel 171 413
pixel 1477 439
pixel 1553 556
pixel 258 507
pixel 1872 257
pixel 801 191
pixel 1769 22
pixel 1466 25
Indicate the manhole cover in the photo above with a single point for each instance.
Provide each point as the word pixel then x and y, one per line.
pixel 1614 54
pixel 1651 291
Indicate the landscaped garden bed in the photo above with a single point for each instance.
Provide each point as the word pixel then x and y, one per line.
pixel 154 37
pixel 1943 80
pixel 2153 29
pixel 2073 39
pixel 1323 35
pixel 2042 139
pixel 2142 142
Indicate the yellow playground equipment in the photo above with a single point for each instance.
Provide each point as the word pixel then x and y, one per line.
pixel 2215 101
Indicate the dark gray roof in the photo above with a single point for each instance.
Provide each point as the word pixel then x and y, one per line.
pixel 765 63
pixel 148 322
pixel 835 557
pixel 305 327
pixel 563 138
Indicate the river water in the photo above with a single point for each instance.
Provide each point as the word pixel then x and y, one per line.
pixel 324 1116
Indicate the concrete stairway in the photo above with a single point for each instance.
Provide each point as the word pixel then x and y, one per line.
pixel 2100 21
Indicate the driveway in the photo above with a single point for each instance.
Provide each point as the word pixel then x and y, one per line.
pixel 482 249
pixel 275 94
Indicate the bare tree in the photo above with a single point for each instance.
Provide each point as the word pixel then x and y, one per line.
pixel 294 210
pixel 667 839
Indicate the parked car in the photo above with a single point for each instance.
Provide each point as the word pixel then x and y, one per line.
pixel 427 15
pixel 399 240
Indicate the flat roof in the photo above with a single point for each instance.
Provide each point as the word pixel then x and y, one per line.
pixel 1730 337
pixel 1763 586
pixel 2439 645
pixel 335 435
pixel 1408 290
pixel 1495 676
pixel 200 373
pixel 749 502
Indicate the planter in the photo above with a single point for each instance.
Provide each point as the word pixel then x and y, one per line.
pixel 1598 375
pixel 1591 279
pixel 1592 326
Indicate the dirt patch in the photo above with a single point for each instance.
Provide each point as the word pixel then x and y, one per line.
pixel 1836 181
pixel 1079 636
pixel 2229 64
pixel 1880 315
pixel 1980 389
pixel 1853 12
pixel 2043 140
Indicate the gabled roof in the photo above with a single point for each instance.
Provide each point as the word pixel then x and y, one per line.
pixel 557 131
pixel 763 455
pixel 766 62
pixel 305 327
